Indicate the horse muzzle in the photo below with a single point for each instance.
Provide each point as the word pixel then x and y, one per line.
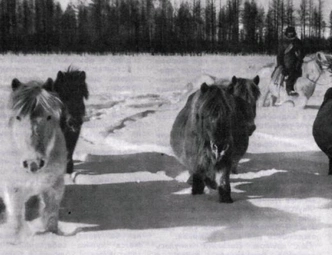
pixel 33 165
pixel 251 129
pixel 217 152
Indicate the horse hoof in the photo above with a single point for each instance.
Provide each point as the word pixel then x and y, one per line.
pixel 198 185
pixel 197 191
pixel 225 196
pixel 226 200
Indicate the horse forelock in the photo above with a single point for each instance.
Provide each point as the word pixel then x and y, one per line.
pixel 210 107
pixel 247 90
pixel 32 96
pixel 213 103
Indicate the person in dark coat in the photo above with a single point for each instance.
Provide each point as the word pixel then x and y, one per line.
pixel 290 58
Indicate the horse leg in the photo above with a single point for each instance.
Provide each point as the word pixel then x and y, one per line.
pixel 198 184
pixel 50 212
pixel 71 140
pixel 70 163
pixel 330 165
pixel 224 183
pixel 266 101
pixel 301 100
pixel 2 211
pixel 14 200
pixel 234 166
pixel 274 100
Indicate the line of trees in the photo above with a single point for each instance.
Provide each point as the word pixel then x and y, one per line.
pixel 156 26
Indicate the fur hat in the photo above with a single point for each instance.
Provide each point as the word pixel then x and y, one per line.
pixel 290 30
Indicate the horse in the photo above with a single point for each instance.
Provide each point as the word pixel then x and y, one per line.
pixel 72 89
pixel 211 128
pixel 33 160
pixel 322 127
pixel 316 70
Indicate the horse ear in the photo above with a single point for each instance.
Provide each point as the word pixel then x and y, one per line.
pixel 16 84
pixel 204 87
pixel 321 56
pixel 256 80
pixel 234 80
pixel 49 85
pixel 84 87
pixel 230 87
pixel 83 75
pixel 85 90
pixel 60 76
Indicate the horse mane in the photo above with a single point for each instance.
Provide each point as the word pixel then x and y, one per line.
pixel 30 96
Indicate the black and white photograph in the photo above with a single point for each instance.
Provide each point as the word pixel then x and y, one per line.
pixel 165 127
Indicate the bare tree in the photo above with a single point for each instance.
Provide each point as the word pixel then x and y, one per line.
pixel 303 13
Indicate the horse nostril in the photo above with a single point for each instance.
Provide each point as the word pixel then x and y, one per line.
pixel 25 164
pixel 42 163
pixel 252 129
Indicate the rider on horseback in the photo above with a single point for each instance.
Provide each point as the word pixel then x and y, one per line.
pixel 290 58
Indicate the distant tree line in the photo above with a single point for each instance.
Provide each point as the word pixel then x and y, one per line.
pixel 156 26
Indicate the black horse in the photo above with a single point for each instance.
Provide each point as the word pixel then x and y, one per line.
pixel 72 90
pixel 322 127
pixel 212 131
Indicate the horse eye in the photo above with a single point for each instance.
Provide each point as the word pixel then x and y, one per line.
pixel 18 117
pixel 49 117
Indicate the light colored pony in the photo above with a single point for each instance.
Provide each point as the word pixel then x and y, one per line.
pixel 316 70
pixel 33 161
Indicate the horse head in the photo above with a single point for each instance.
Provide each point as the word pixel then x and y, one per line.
pixel 246 93
pixel 72 90
pixel 318 68
pixel 213 121
pixel 324 61
pixel 34 120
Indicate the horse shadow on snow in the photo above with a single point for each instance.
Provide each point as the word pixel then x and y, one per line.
pixel 153 205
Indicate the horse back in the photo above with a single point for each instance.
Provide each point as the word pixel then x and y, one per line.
pixel 178 131
pixel 322 127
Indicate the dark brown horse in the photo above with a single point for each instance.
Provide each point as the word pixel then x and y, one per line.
pixel 212 131
pixel 72 90
pixel 322 127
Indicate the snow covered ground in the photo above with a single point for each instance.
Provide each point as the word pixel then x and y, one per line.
pixel 130 195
